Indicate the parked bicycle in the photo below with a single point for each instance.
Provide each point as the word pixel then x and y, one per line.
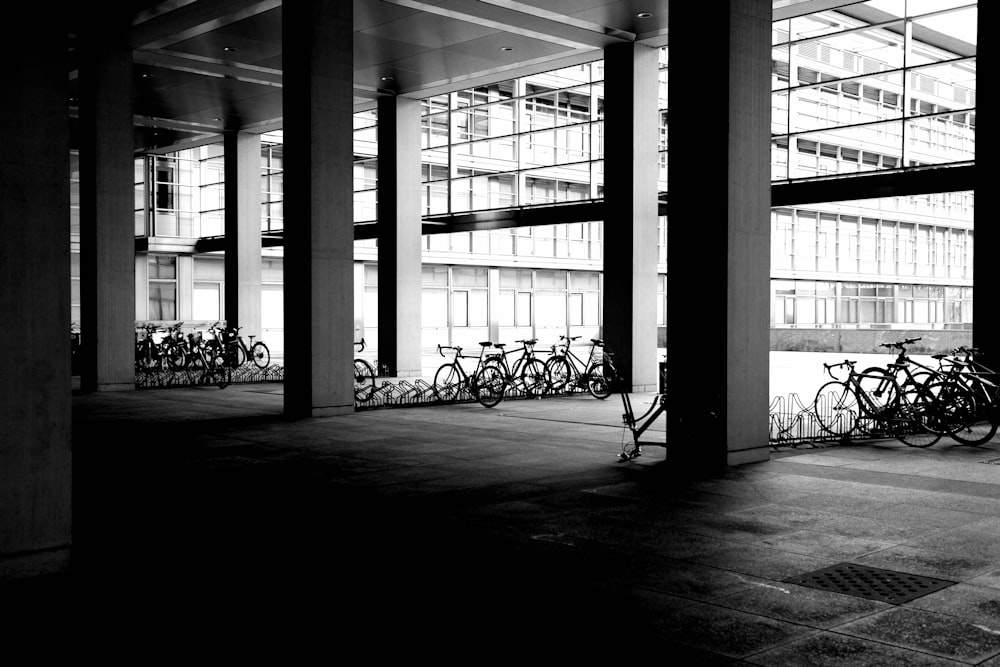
pixel 486 383
pixel 916 414
pixel 235 351
pixel 964 367
pixel 364 376
pixel 528 371
pixel 564 370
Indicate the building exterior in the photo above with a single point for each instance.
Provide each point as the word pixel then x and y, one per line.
pixel 872 87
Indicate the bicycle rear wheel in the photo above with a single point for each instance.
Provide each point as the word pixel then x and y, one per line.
pixel 532 374
pixel 599 380
pixel 448 383
pixel 262 356
pixel 912 419
pixel 836 409
pixel 364 381
pixel 880 392
pixel 491 384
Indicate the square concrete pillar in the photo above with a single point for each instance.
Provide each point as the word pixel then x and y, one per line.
pixel 985 315
pixel 35 411
pixel 243 239
pixel 399 226
pixel 630 205
pixel 718 231
pixel 319 227
pixel 107 212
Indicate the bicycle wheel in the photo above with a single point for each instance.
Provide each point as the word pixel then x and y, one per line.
pixel 599 380
pixel 533 377
pixel 491 383
pixel 983 426
pixel 836 408
pixel 364 381
pixel 557 373
pixel 950 406
pixel 911 420
pixel 262 356
pixel 880 393
pixel 448 383
pixel 175 357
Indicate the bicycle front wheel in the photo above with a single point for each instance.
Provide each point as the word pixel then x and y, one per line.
pixel 448 383
pixel 599 380
pixel 262 356
pixel 836 409
pixel 491 383
pixel 557 373
pixel 880 392
pixel 364 381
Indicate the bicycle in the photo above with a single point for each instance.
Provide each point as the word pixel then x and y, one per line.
pixel 528 371
pixel 950 386
pixel 486 383
pixel 564 369
pixel 237 352
pixel 974 376
pixel 917 415
pixel 364 376
pixel 148 354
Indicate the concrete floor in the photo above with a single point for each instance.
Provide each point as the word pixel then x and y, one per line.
pixel 205 520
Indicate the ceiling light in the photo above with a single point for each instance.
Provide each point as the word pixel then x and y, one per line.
pixel 229 48
pixel 643 15
pixel 388 78
pixel 506 48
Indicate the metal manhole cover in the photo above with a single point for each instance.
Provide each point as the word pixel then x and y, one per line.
pixel 871 583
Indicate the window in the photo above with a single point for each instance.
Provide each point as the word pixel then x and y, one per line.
pixel 162 287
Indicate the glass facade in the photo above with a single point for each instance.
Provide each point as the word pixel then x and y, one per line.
pixel 873 86
pixel 878 85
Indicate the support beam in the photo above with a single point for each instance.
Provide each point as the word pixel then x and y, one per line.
pixel 630 211
pixel 35 411
pixel 319 234
pixel 399 226
pixel 107 212
pixel 243 241
pixel 718 264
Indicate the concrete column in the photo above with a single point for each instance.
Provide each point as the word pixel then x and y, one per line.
pixel 35 448
pixel 630 201
pixel 319 229
pixel 399 225
pixel 107 218
pixel 243 245
pixel 718 235
pixel 985 315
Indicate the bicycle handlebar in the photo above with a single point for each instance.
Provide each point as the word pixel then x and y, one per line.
pixel 362 344
pixel 441 348
pixel 900 344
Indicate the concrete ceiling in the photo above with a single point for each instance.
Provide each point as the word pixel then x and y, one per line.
pixel 204 66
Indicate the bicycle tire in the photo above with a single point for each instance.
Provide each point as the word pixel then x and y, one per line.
pixel 983 426
pixel 880 392
pixel 491 383
pixel 448 383
pixel 261 355
pixel 557 373
pixel 948 406
pixel 533 377
pixel 599 380
pixel 836 409
pixel 364 381
pixel 911 420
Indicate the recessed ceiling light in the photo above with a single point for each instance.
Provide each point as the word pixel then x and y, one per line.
pixel 506 48
pixel 216 119
pixel 643 15
pixel 388 78
pixel 229 48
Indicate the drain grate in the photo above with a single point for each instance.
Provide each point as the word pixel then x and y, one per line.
pixel 871 583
